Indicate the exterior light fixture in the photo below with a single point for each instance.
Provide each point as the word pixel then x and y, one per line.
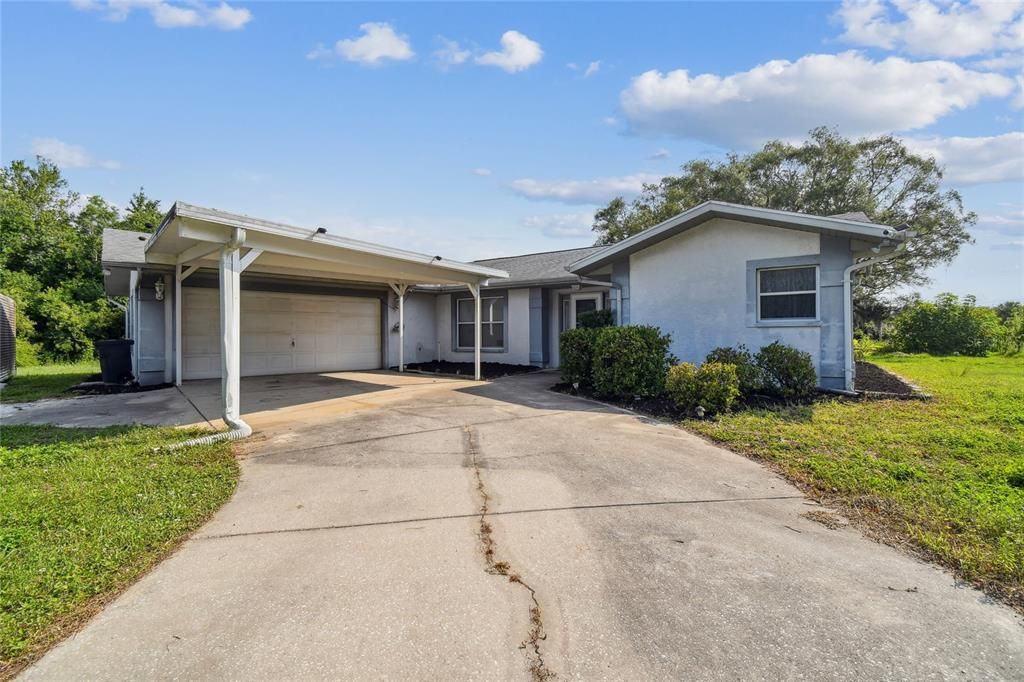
pixel 159 288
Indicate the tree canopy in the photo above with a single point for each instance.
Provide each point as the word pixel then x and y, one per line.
pixel 50 259
pixel 825 175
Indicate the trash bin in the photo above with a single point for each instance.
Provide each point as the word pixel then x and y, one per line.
pixel 115 360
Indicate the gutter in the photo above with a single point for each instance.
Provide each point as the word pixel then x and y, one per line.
pixel 848 362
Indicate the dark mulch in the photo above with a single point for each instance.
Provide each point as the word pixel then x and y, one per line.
pixel 488 370
pixel 872 380
pixel 94 385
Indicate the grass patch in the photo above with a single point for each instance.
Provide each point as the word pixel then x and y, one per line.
pixel 945 476
pixel 84 513
pixel 47 381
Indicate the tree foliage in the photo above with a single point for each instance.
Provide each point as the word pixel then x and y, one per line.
pixel 50 259
pixel 949 326
pixel 825 175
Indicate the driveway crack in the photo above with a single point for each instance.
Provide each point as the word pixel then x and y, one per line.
pixel 494 566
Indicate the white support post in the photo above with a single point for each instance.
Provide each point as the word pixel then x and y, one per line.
pixel 230 331
pixel 400 290
pixel 168 336
pixel 477 329
pixel 177 324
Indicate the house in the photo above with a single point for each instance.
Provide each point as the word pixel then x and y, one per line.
pixel 275 299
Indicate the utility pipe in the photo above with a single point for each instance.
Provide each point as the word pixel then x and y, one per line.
pixel 848 363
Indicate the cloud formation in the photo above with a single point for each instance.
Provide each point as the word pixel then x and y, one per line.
pixel 165 14
pixel 926 28
pixel 784 99
pixel 68 155
pixel 517 53
pixel 597 191
pixel 975 160
pixel 378 43
pixel 450 53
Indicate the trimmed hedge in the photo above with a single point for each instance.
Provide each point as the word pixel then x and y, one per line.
pixel 747 373
pixel 787 372
pixel 712 386
pixel 576 351
pixel 630 361
pixel 595 319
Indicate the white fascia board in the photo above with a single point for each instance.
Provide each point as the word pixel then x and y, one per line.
pixel 209 215
pixel 721 209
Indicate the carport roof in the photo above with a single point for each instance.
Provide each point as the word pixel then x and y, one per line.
pixel 189 234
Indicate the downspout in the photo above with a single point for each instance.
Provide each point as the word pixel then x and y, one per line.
pixel 848 362
pixel 237 428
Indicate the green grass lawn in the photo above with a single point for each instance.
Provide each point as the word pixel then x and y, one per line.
pixel 947 475
pixel 83 513
pixel 46 381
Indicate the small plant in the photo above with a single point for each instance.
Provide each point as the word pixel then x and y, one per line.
pixel 787 372
pixel 713 386
pixel 747 373
pixel 594 319
pixel 630 361
pixel 576 351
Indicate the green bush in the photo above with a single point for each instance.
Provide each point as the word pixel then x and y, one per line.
pixel 576 353
pixel 713 386
pixel 786 371
pixel 630 361
pixel 594 319
pixel 747 373
pixel 1014 339
pixel 948 326
pixel 62 328
pixel 26 353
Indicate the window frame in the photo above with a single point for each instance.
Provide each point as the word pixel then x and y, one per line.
pixel 817 293
pixel 503 301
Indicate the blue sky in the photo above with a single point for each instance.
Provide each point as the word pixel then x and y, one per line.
pixel 477 130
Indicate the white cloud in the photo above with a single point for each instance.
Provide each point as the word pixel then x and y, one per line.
pixel 193 14
pixel 785 99
pixel 1008 61
pixel 68 155
pixel 592 68
pixel 610 121
pixel 572 66
pixel 1008 221
pixel 945 29
pixel 450 54
pixel 973 160
pixel 482 172
pixel 378 43
pixel 562 225
pixel 517 53
pixel 597 191
pixel 660 154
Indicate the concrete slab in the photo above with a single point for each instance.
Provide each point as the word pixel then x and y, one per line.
pixel 352 549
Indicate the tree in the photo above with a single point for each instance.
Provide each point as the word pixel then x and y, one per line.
pixel 949 326
pixel 1007 309
pixel 143 214
pixel 826 175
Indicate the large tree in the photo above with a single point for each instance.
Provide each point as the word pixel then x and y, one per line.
pixel 826 175
pixel 142 213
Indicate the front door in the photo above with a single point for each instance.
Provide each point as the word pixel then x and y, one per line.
pixel 582 303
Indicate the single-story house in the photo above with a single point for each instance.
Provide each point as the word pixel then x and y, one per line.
pixel 216 294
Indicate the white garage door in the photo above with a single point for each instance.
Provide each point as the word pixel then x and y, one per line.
pixel 282 333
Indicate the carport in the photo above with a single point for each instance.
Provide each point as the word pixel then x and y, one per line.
pixel 192 237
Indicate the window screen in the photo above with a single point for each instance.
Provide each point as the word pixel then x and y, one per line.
pixel 788 293
pixel 492 323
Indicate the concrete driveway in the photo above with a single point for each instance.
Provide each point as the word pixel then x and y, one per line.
pixel 354 548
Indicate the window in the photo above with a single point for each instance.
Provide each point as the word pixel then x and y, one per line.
pixel 492 323
pixel 787 293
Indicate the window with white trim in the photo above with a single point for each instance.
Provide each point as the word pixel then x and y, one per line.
pixel 787 293
pixel 492 323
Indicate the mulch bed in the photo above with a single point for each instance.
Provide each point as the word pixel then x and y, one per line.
pixel 488 370
pixel 874 382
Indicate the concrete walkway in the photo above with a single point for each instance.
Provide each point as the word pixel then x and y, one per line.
pixel 353 549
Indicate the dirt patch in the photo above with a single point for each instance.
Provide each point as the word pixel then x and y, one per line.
pixel 874 382
pixel 488 370
pixel 826 518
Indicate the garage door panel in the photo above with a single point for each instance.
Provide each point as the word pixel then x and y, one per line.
pixel 283 333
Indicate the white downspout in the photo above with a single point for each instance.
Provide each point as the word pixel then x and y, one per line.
pixel 849 366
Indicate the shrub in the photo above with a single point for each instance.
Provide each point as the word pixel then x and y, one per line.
pixel 576 352
pixel 948 326
pixel 747 373
pixel 62 327
pixel 787 372
pixel 26 353
pixel 1014 340
pixel 594 319
pixel 630 361
pixel 713 386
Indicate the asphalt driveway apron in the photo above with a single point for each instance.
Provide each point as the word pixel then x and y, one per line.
pixel 500 531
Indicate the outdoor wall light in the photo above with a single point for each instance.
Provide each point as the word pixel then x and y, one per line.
pixel 159 289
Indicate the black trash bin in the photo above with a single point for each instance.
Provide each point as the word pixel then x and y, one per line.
pixel 115 360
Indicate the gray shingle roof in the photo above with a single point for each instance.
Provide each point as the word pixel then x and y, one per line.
pixel 536 267
pixel 859 216
pixel 124 246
